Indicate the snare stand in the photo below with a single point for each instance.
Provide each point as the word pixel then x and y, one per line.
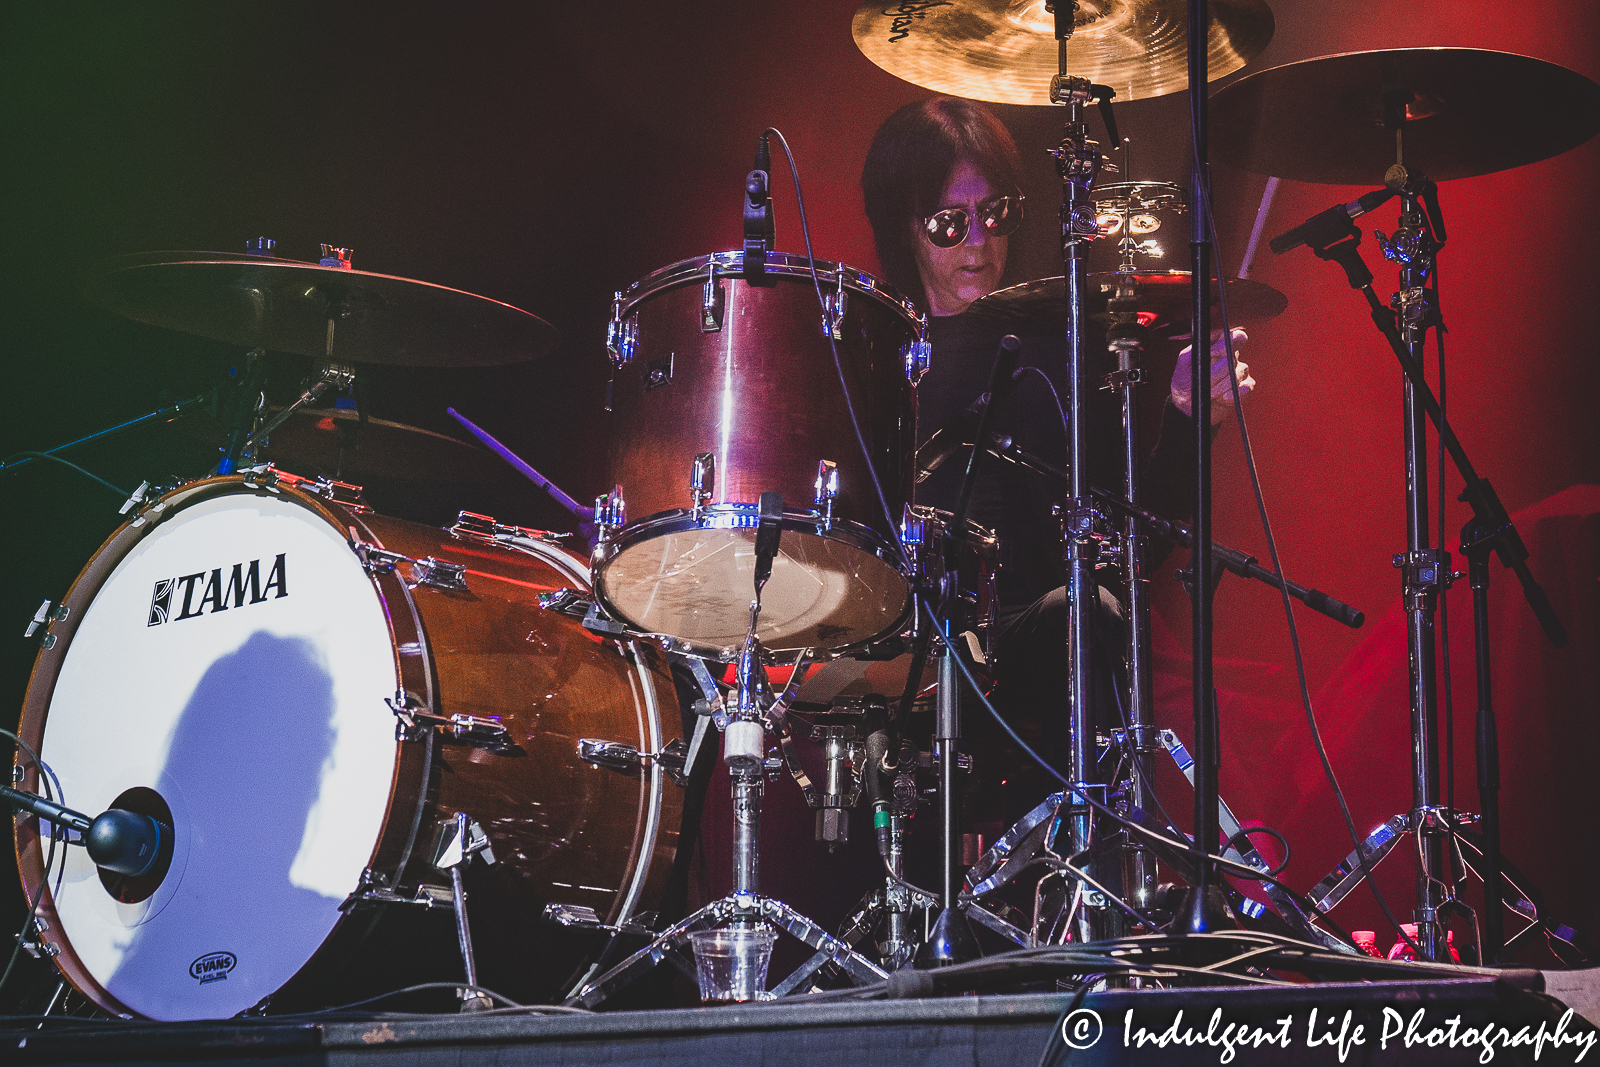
pixel 743 750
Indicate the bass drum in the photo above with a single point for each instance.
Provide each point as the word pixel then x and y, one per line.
pixel 230 663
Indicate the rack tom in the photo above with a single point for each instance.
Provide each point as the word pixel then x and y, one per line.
pixel 724 390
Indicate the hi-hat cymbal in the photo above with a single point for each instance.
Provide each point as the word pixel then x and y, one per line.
pixel 1005 51
pixel 285 305
pixel 1163 299
pixel 1466 111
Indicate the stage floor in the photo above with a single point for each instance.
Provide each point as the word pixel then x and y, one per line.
pixel 1435 1022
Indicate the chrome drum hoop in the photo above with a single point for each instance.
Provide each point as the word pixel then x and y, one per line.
pixel 879 604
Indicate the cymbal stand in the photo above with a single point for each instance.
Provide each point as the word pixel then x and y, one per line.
pixel 1425 570
pixel 331 374
pixel 1078 162
pixel 744 753
pixel 1203 910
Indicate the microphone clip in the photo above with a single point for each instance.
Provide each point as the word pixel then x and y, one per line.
pixel 759 227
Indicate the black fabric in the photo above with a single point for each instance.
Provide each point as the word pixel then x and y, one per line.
pixel 1014 502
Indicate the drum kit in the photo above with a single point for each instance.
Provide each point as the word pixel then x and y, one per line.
pixel 359 719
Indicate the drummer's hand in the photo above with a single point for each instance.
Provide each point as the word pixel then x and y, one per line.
pixel 1221 392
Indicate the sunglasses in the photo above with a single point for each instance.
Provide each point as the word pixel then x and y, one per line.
pixel 948 227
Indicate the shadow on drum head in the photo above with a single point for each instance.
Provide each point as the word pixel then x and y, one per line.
pixel 251 752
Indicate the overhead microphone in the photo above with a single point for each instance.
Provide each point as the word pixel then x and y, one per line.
pixel 1330 225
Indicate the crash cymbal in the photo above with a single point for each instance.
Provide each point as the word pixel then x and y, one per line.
pixel 285 305
pixel 1163 298
pixel 1005 51
pixel 1466 111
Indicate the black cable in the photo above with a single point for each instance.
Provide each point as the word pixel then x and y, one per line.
pixel 1277 566
pixel 1057 1041
pixel 1246 831
pixel 891 519
pixel 33 908
pixel 1238 869
pixel 1444 579
pixel 65 463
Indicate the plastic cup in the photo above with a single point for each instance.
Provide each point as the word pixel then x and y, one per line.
pixel 731 963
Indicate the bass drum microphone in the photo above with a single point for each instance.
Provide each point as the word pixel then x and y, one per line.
pixel 121 841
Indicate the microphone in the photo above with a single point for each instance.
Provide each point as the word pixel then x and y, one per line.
pixel 767 534
pixel 1330 225
pixel 120 841
pixel 758 223
pixel 957 433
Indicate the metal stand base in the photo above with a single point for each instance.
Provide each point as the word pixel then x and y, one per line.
pixel 735 907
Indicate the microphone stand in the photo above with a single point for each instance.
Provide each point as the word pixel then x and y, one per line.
pixel 1204 907
pixel 1425 570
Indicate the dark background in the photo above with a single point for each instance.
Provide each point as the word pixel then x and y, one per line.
pixel 545 155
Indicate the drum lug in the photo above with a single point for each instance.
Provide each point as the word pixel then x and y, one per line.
pixel 412 721
pixel 346 494
pixel 918 355
pixel 625 757
pixel 610 512
pixel 827 488
pixel 579 917
pixel 622 334
pixel 702 479
pixel 485 528
pixel 712 301
pixel 439 573
pixel 833 307
pixel 46 617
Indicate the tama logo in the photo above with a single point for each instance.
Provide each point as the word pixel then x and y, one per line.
pixel 199 593
pixel 213 967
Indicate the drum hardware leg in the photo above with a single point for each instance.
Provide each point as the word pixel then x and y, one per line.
pixel 459 840
pixel 742 742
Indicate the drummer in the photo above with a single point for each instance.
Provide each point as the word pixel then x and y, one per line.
pixel 942 189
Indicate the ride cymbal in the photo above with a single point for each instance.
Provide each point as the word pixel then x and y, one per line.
pixel 286 305
pixel 1005 51
pixel 1460 112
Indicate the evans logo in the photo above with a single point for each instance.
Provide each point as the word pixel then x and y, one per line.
pixel 199 593
pixel 213 967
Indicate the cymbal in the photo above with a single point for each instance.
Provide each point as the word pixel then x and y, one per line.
pixel 332 443
pixel 1163 299
pixel 285 305
pixel 1005 51
pixel 1468 111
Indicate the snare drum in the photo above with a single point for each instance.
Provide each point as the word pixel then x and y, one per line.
pixel 303 692
pixel 724 390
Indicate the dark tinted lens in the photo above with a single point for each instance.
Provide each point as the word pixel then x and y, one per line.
pixel 1002 217
pixel 947 228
